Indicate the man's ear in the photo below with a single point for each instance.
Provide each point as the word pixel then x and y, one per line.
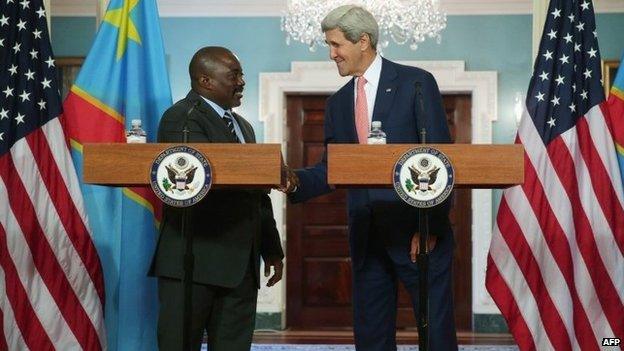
pixel 365 42
pixel 205 82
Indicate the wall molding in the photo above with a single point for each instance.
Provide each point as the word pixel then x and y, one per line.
pixel 452 77
pixel 273 8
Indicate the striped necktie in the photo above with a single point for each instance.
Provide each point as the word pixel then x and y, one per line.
pixel 229 120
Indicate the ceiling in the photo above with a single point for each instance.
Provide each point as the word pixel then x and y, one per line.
pixel 262 8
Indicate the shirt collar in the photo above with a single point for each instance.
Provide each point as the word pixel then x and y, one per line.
pixel 218 109
pixel 373 72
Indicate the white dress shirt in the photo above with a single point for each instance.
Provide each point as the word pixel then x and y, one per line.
pixel 372 75
pixel 221 112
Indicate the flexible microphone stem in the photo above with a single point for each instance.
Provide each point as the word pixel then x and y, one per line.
pixel 421 112
pixel 185 130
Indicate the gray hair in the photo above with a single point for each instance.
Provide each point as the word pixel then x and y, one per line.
pixel 353 21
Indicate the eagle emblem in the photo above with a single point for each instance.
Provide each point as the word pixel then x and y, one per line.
pixel 425 179
pixel 180 175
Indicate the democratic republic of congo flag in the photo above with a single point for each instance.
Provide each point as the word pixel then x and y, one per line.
pixel 615 105
pixel 123 78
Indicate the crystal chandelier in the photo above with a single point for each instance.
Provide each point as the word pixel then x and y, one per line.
pixel 405 21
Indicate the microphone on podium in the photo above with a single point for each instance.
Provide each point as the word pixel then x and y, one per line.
pixel 185 129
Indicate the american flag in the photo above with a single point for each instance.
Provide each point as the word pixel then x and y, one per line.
pixel 556 266
pixel 51 286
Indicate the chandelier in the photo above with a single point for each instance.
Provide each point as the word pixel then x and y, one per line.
pixel 403 21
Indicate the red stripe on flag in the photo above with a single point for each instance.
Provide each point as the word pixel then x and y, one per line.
pixel 29 325
pixel 602 183
pixel 503 297
pixel 86 123
pixel 605 290
pixel 3 343
pixel 62 201
pixel 614 110
pixel 519 247
pixel 45 260
pixel 555 239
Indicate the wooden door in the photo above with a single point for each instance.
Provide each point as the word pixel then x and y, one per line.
pixel 318 281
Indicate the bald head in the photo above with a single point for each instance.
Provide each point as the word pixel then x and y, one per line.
pixel 205 61
pixel 216 74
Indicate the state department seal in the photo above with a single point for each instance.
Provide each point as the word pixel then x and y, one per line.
pixel 180 176
pixel 423 177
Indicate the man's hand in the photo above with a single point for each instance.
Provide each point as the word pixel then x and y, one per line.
pixel 431 242
pixel 278 269
pixel 292 181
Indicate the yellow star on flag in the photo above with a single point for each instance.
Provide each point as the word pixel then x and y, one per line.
pixel 120 18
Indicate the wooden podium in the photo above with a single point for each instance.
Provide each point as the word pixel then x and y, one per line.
pixel 233 165
pixel 248 165
pixel 475 166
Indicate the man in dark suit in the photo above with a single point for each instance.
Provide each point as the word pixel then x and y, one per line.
pixel 383 230
pixel 231 228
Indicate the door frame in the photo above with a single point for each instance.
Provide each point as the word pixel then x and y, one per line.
pixel 322 78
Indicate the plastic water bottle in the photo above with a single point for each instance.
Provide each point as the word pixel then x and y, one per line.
pixel 136 134
pixel 376 135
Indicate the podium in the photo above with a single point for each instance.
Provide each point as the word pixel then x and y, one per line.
pixel 475 166
pixel 233 165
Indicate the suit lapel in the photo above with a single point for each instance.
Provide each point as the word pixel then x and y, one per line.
pixel 386 91
pixel 215 121
pixel 248 134
pixel 348 109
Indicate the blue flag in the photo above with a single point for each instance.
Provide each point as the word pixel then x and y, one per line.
pixel 123 78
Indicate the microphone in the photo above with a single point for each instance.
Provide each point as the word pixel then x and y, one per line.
pixel 421 112
pixel 185 130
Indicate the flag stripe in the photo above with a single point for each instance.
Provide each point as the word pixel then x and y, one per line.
pixel 44 258
pixel 3 344
pixel 74 235
pixel 497 286
pixel 11 338
pixel 614 110
pixel 597 224
pixel 606 181
pixel 606 291
pixel 604 194
pixel 55 135
pixel 568 260
pixel 64 230
pixel 145 197
pixel 556 326
pixel 599 130
pixel 41 302
pixel 99 127
pixel 31 329
pixel 521 309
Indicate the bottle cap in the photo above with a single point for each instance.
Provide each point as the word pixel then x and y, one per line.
pixel 376 124
pixel 136 122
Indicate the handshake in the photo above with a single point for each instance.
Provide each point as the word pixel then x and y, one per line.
pixel 290 181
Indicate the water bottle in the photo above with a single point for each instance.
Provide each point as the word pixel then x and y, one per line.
pixel 136 134
pixel 376 135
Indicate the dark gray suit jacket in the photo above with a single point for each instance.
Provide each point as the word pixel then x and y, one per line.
pixel 229 226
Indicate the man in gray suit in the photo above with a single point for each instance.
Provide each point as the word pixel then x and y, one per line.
pixel 231 228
